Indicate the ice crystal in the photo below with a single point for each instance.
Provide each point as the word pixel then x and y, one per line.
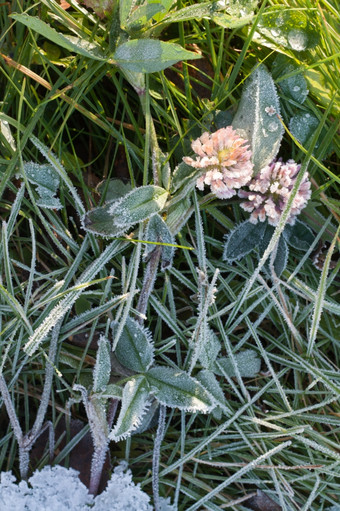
pixel 225 157
pixel 122 494
pixel 54 488
pixel 60 489
pixel 270 191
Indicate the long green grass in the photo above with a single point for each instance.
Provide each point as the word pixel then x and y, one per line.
pixel 280 431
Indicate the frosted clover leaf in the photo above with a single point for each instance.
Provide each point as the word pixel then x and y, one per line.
pixel 225 159
pixel 270 191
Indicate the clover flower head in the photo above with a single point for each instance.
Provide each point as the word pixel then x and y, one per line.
pixel 225 159
pixel 270 191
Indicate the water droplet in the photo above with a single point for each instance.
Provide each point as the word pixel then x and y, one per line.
pixel 297 40
pixel 275 33
pixel 273 126
pixel 296 88
pixel 307 116
pixel 265 134
pixel 279 21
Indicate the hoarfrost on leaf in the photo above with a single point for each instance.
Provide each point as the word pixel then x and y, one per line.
pixel 248 364
pixel 134 406
pixel 102 369
pixel 135 348
pixel 263 130
pixel 46 179
pixel 176 389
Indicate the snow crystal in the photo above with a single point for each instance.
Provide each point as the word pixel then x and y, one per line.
pixel 59 489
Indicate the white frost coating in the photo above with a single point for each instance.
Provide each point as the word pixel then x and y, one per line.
pixel 134 406
pixel 255 116
pixel 55 489
pixel 122 494
pixel 60 489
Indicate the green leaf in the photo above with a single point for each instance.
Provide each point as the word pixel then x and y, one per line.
pixel 139 205
pixel 183 174
pixel 257 117
pixel 101 221
pixel 125 7
pixel 295 86
pixel 135 349
pixel 192 12
pixel 323 87
pixel 282 251
pixel 102 368
pixel 228 21
pixel 114 189
pixel 314 219
pixel 70 43
pixel 176 389
pixel 247 362
pixel 116 217
pixel 243 239
pixel 150 55
pixel 299 235
pixel 210 350
pixel 281 257
pixel 47 181
pixel 291 28
pixel 210 383
pixel 149 419
pixel 158 231
pixel 142 14
pixel 303 126
pixel 111 391
pixel 178 215
pixel 134 406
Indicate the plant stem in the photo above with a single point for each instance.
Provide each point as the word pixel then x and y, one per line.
pixel 148 282
pixel 156 456
pixel 97 464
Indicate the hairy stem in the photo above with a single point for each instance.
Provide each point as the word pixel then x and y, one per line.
pixel 97 464
pixel 149 281
pixel 156 457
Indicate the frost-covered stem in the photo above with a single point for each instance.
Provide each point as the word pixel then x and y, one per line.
pixel 24 459
pixel 207 298
pixel 23 451
pixel 97 464
pixel 148 282
pixel 10 410
pixel 156 457
pixel 49 371
pixel 95 412
pixel 150 130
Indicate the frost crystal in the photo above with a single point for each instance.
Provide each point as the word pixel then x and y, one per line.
pixel 54 488
pixel 122 494
pixel 270 191
pixel 226 161
pixel 59 489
